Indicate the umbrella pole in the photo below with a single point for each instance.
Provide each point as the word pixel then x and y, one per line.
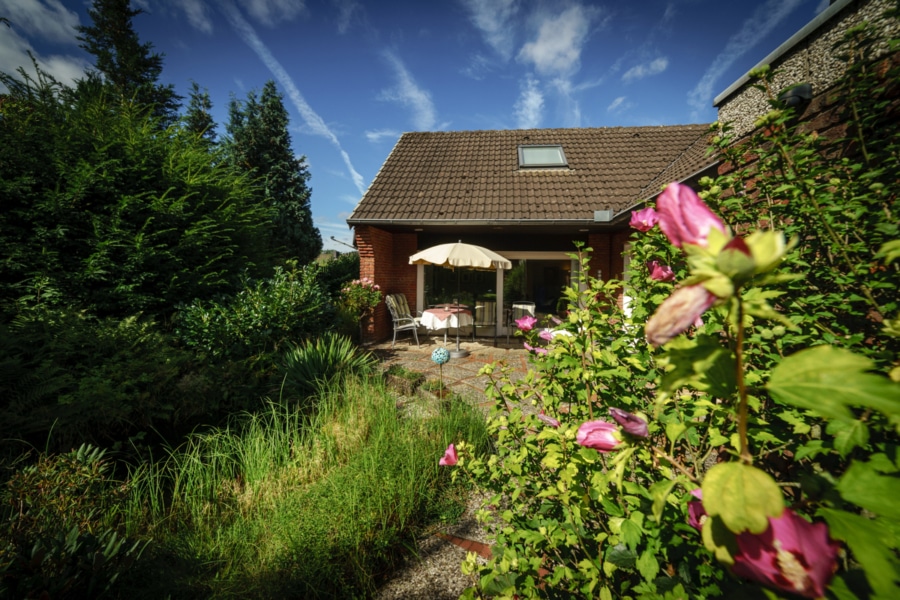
pixel 458 353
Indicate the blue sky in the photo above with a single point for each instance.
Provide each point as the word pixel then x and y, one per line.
pixel 355 74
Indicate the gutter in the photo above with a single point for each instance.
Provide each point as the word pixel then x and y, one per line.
pixel 786 46
pixel 482 222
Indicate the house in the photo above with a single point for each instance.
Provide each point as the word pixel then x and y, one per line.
pixel 529 194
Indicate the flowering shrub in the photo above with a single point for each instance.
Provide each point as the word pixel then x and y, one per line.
pixel 361 296
pixel 769 457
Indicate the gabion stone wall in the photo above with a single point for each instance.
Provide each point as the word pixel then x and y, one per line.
pixel 812 61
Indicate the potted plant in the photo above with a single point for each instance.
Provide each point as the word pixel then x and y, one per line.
pixel 359 299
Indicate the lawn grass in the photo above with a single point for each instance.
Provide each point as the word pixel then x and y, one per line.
pixel 282 504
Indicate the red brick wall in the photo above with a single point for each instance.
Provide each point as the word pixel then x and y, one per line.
pixel 607 255
pixel 384 258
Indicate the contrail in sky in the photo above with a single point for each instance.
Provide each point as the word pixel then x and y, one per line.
pixel 312 119
pixel 763 21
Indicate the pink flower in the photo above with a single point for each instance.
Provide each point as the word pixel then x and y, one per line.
pixel 536 350
pixel 645 219
pixel 548 419
pixel 696 512
pixel 631 424
pixel 526 323
pixel 660 272
pixel 450 458
pixel 792 555
pixel 556 320
pixel 546 334
pixel 599 435
pixel 678 312
pixel 684 218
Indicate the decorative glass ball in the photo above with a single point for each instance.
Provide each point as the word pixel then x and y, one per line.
pixel 440 355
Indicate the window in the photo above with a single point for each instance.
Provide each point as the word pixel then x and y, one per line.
pixel 541 156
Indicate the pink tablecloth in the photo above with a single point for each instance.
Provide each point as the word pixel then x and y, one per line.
pixel 447 318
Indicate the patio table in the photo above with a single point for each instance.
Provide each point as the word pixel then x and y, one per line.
pixel 446 317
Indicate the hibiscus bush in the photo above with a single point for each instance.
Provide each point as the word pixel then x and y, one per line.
pixel 733 433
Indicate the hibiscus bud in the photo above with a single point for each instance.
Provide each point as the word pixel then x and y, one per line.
pixel 548 419
pixel 678 312
pixel 792 555
pixel 645 219
pixel 599 435
pixel 450 458
pixel 546 335
pixel 696 512
pixel 684 218
pixel 526 323
pixel 660 272
pixel 535 349
pixel 631 423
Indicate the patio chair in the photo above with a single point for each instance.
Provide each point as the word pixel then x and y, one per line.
pixel 485 316
pixel 518 310
pixel 401 316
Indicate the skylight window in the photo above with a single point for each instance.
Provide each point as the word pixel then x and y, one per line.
pixel 542 156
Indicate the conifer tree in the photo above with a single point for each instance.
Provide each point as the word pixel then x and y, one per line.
pixel 260 143
pixel 198 118
pixel 130 67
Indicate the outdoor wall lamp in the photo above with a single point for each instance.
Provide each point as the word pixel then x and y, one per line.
pixel 796 95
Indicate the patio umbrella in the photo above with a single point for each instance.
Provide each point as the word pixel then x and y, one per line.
pixel 463 256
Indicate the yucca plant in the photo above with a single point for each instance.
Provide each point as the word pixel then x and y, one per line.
pixel 314 363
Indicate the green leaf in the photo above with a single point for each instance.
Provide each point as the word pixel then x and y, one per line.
pixel 848 435
pixel 701 363
pixel 719 540
pixel 621 556
pixel 827 380
pixel 742 495
pixel 870 543
pixel 631 533
pixel 862 485
pixel 660 491
pixel 647 565
pixel 799 424
pixel 890 251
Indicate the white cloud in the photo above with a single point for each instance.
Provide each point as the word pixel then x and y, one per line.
pixel 309 116
pixel 479 65
pixel 197 13
pixel 408 93
pixel 671 11
pixel 273 12
pixel 654 67
pixel 375 136
pixel 493 18
pixel 557 49
pixel 347 9
pixel 617 103
pixel 529 107
pixel 45 19
pixel 569 107
pixel 763 20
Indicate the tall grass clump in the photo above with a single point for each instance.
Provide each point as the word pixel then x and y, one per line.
pixel 330 357
pixel 283 504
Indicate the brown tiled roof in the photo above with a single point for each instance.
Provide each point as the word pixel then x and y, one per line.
pixel 474 176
